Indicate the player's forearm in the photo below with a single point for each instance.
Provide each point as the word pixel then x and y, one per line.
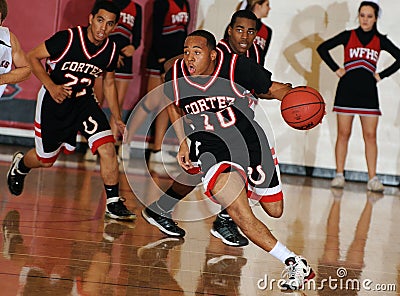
pixel 22 69
pixel 110 94
pixel 39 71
pixel 277 91
pixel 16 75
pixel 175 118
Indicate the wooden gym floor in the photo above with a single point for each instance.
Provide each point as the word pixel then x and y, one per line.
pixel 55 241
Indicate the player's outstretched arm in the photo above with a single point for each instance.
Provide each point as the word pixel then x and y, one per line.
pixel 277 91
pixel 22 69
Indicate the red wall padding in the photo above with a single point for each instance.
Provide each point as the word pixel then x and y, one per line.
pixel 37 20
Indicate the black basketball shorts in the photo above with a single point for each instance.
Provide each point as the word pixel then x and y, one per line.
pixel 57 125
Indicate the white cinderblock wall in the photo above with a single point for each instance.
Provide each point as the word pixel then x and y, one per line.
pixel 298 27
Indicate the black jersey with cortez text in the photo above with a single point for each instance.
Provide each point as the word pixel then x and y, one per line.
pixel 218 106
pixel 75 61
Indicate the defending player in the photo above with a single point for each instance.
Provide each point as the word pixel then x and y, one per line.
pixel 66 104
pixel 11 53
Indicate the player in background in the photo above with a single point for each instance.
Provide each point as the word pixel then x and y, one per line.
pixel 261 9
pixel 11 53
pixel 357 92
pixel 127 36
pixel 66 103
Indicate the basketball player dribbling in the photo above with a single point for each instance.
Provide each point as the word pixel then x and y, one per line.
pixel 232 151
pixel 66 104
pixel 239 39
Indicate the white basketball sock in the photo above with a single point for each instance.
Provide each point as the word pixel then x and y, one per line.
pixel 281 253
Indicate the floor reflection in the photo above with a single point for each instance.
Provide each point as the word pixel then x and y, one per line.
pixel 55 240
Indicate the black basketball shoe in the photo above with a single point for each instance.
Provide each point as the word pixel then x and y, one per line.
pixel 116 209
pixel 15 179
pixel 225 229
pixel 163 221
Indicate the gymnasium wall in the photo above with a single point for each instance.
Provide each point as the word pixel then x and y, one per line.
pixel 33 21
pixel 298 28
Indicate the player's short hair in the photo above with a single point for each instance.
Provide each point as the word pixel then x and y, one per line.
pixel 248 14
pixel 211 42
pixel 3 10
pixel 107 5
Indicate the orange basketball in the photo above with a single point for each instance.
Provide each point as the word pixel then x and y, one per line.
pixel 303 108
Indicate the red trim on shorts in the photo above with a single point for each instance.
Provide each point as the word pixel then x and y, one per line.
pixel 213 179
pixel 102 141
pixel 68 152
pixel 48 160
pixel 265 198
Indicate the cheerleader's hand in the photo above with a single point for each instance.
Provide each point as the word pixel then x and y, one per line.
pixel 340 72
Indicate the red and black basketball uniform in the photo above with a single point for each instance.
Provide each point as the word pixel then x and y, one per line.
pixel 263 39
pixel 357 92
pixel 128 31
pixel 76 62
pixel 218 109
pixel 170 22
pixel 254 53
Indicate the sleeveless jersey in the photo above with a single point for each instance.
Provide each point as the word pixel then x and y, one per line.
pixel 229 137
pixel 5 55
pixel 217 104
pixel 357 55
pixel 79 62
pixel 126 22
pixel 252 53
pixel 176 19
